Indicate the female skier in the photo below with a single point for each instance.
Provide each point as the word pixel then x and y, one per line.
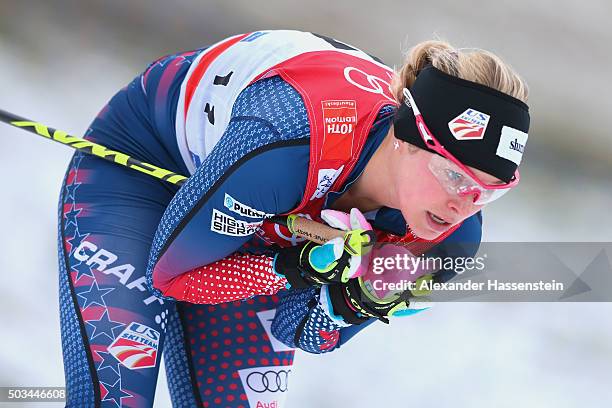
pixel 268 123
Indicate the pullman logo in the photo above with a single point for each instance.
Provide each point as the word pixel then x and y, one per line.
pixel 239 208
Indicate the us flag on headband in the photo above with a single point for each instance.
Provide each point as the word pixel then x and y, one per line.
pixel 470 125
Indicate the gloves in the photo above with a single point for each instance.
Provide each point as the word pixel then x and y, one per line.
pixel 343 267
pixel 380 293
pixel 352 302
pixel 338 260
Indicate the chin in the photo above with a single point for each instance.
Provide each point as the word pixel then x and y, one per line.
pixel 425 233
pixel 419 227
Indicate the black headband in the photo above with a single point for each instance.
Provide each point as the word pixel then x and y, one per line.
pixel 480 126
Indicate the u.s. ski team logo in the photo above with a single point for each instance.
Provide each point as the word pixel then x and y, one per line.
pixel 470 125
pixel 136 347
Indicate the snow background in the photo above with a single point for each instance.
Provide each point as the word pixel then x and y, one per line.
pixel 61 62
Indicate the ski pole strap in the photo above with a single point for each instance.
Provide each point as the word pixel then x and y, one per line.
pixel 341 306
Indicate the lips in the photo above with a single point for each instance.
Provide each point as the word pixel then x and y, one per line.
pixel 437 223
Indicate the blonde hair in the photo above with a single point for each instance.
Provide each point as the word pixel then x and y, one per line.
pixel 474 65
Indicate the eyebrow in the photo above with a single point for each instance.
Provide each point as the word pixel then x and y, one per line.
pixel 485 177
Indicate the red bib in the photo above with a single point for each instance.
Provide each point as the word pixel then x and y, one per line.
pixel 343 95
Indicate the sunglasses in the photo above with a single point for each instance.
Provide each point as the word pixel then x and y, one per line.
pixel 453 175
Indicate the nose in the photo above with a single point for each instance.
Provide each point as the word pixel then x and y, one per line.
pixel 462 206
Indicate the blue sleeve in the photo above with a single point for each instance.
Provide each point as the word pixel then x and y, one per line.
pixel 301 322
pixel 258 167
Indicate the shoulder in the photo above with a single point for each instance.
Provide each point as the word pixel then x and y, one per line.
pixel 274 103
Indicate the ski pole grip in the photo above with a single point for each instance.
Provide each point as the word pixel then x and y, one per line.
pixel 309 229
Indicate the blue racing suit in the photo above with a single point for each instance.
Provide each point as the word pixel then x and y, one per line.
pixel 116 226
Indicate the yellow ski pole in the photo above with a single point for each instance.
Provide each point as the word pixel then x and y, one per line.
pixel 300 226
pixel 94 149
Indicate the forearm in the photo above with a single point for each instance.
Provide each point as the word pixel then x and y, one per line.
pixel 303 321
pixel 236 277
pixel 196 235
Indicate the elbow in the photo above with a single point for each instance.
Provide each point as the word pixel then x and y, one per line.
pixel 158 279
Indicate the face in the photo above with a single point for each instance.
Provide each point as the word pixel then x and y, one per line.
pixel 427 207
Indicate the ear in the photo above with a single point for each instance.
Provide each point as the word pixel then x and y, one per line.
pixel 410 148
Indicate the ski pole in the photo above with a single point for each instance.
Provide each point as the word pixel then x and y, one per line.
pixel 301 226
pixel 91 148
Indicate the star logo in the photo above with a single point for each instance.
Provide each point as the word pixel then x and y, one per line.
pixel 70 190
pixel 114 392
pixel 76 240
pixel 72 215
pixel 108 361
pixel 104 326
pixel 82 269
pixel 94 296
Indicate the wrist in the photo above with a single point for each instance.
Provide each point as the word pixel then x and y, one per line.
pixel 284 265
pixel 326 304
pixel 340 304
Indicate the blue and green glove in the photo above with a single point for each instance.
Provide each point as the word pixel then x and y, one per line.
pixel 336 261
